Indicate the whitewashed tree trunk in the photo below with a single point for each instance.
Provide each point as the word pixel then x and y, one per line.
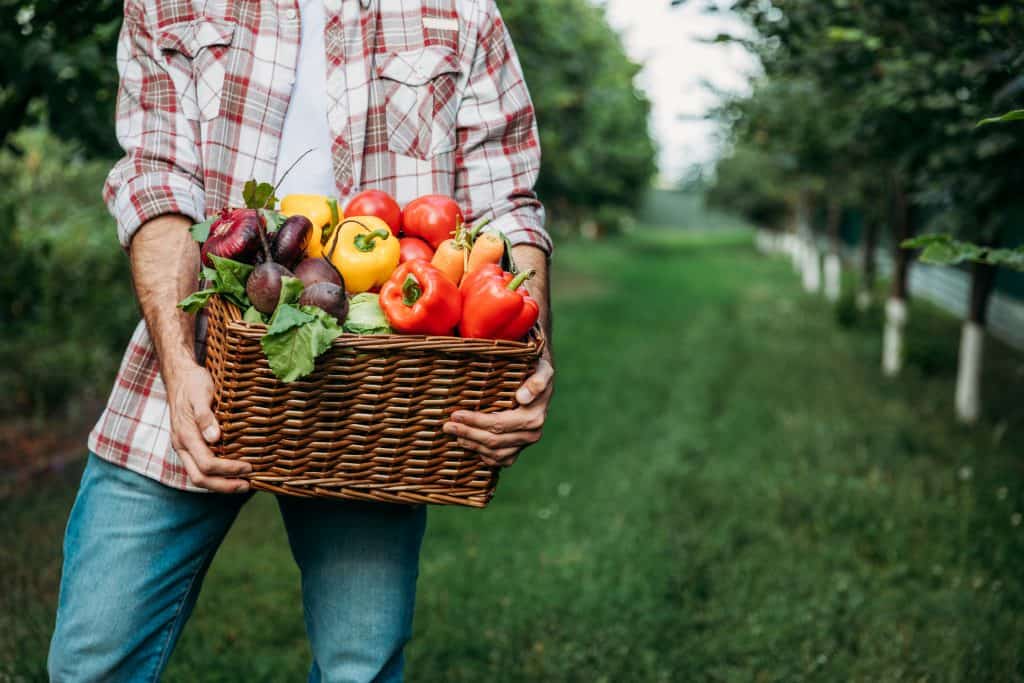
pixel 864 300
pixel 812 268
pixel 892 341
pixel 968 376
pixel 833 276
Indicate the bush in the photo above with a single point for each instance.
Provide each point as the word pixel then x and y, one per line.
pixel 67 306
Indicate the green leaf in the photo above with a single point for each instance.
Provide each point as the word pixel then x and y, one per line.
pixel 251 315
pixel 291 290
pixel 201 231
pixel 274 219
pixel 292 353
pixel 325 318
pixel 196 300
pixel 941 254
pixel 923 241
pixel 230 279
pixel 258 195
pixel 1015 115
pixel 286 317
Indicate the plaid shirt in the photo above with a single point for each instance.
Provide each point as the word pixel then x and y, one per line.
pixel 423 96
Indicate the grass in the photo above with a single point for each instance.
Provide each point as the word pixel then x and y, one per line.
pixel 727 490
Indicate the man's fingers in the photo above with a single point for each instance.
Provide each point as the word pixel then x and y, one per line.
pixel 206 421
pixel 209 482
pixel 491 440
pixel 519 420
pixel 536 384
pixel 495 457
pixel 206 461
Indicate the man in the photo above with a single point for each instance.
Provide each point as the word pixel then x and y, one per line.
pixel 408 96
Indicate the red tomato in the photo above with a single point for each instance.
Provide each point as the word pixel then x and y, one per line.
pixel 414 247
pixel 432 217
pixel 376 203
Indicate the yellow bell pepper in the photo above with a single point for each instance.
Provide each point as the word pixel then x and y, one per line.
pixel 315 207
pixel 364 251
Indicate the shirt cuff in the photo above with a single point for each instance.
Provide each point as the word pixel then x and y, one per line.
pixel 149 195
pixel 525 225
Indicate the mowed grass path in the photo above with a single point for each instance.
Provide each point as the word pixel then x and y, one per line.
pixel 727 490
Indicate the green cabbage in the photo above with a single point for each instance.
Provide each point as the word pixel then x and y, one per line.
pixel 365 315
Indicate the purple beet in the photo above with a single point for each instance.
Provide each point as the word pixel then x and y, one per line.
pixel 326 296
pixel 289 242
pixel 314 270
pixel 264 286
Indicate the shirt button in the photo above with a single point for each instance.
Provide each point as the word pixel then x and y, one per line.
pixel 291 15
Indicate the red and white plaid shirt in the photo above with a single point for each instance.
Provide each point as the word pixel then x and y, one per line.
pixel 423 96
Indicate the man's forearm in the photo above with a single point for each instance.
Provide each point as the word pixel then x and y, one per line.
pixel 165 269
pixel 526 258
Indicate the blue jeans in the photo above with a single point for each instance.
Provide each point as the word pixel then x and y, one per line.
pixel 136 552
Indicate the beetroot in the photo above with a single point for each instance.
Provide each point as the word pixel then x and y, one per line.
pixel 234 235
pixel 289 242
pixel 328 297
pixel 314 270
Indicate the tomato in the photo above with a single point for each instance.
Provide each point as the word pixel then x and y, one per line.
pixel 432 217
pixel 414 247
pixel 376 203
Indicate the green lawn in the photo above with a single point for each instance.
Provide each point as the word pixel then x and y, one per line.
pixel 727 490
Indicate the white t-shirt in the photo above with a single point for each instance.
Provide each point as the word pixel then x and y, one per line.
pixel 305 123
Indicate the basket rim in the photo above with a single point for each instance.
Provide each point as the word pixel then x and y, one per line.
pixel 534 345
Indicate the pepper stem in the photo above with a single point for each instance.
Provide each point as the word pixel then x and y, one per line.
pixel 411 290
pixel 365 241
pixel 519 279
pixel 475 232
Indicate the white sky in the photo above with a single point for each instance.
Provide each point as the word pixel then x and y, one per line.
pixel 666 40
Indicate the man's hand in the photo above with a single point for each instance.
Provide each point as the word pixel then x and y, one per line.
pixel 500 437
pixel 193 427
pixel 165 266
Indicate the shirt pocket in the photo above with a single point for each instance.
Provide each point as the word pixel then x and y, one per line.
pixel 420 100
pixel 203 44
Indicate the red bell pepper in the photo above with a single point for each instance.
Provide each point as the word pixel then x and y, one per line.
pixel 419 299
pixel 494 306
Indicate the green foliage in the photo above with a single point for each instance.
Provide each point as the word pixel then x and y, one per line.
pixel 66 306
pixel 945 250
pixel 593 119
pixel 899 88
pixel 58 69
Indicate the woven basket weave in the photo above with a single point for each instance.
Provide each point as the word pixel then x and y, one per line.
pixel 366 424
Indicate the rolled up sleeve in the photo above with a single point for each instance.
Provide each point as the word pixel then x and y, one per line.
pixel 160 172
pixel 498 155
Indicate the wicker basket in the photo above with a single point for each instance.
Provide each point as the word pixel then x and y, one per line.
pixel 367 423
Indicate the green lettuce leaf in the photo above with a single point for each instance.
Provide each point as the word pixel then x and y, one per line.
pixel 286 317
pixel 365 315
pixel 291 290
pixel 230 279
pixel 201 231
pixel 196 300
pixel 274 219
pixel 292 353
pixel 251 315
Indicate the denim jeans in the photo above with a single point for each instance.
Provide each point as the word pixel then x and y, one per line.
pixel 136 552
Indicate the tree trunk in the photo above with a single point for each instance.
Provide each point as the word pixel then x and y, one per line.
pixel 868 267
pixel 833 262
pixel 972 344
pixel 896 307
